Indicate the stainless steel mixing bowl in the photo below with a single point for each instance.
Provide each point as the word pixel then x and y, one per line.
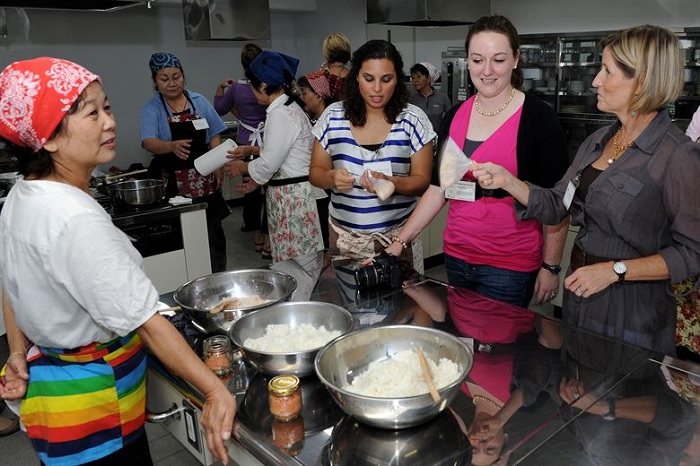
pixel 199 296
pixel 300 363
pixel 344 358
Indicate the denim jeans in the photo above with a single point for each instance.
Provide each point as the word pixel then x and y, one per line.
pixel 501 284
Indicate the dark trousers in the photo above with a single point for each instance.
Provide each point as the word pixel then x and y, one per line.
pixel 504 285
pixel 323 216
pixel 252 208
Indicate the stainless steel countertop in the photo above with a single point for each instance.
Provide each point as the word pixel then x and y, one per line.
pixel 513 345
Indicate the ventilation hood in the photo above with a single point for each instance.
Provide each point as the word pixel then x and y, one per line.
pixel 75 5
pixel 226 19
pixel 426 12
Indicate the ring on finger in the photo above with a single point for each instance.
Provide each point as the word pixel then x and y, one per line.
pixel 576 395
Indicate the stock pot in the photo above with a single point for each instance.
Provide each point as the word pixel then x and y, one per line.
pixel 137 193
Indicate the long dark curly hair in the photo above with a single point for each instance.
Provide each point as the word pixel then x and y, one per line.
pixel 354 104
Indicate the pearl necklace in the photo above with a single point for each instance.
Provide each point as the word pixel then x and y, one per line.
pixel 477 107
pixel 479 397
pixel 617 149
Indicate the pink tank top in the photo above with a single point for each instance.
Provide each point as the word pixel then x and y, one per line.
pixel 486 232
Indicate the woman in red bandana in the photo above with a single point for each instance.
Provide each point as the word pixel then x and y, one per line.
pixel 78 307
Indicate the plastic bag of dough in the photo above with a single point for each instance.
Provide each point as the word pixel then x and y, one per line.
pixel 453 163
pixel 382 188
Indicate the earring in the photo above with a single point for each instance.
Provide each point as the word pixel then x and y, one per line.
pixel 515 67
pixel 633 113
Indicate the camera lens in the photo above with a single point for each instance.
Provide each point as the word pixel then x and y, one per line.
pixel 366 277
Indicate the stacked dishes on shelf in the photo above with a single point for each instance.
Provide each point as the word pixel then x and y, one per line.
pixel 576 87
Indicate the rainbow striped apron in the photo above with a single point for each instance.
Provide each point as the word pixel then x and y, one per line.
pixel 84 404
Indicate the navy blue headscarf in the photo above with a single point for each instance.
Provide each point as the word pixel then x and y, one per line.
pixel 270 67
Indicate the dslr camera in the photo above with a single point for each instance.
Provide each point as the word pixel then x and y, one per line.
pixel 384 271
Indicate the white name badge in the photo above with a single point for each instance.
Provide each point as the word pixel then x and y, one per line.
pixel 381 167
pixel 200 123
pixel 462 191
pixel 569 194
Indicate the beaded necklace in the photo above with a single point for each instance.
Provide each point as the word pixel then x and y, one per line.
pixel 617 149
pixel 489 400
pixel 477 107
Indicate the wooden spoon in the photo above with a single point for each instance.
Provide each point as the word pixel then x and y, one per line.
pixel 428 376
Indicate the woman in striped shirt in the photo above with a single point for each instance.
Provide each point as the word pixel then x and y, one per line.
pixel 375 134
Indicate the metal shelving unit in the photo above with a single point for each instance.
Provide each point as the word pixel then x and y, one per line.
pixel 560 69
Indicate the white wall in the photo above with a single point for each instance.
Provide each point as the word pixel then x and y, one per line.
pixel 538 16
pixel 117 45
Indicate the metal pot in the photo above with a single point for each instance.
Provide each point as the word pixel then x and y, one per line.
pixel 199 296
pixel 136 193
pixel 8 180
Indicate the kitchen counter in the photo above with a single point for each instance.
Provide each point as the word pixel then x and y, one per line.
pixel 172 240
pixel 128 218
pixel 513 347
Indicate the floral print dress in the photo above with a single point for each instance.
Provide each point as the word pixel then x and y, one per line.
pixel 293 220
pixel 688 304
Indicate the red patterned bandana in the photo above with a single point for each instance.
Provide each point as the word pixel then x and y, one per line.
pixel 35 95
pixel 320 83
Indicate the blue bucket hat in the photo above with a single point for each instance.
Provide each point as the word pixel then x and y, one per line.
pixel 270 67
pixel 161 60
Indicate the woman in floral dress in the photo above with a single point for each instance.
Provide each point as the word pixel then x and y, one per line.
pixel 283 165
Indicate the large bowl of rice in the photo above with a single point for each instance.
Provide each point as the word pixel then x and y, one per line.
pixel 375 376
pixel 284 338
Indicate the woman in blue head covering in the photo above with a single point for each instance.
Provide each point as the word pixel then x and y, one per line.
pixel 295 232
pixel 177 126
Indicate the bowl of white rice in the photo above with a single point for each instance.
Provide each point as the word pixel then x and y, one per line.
pixel 285 337
pixel 374 374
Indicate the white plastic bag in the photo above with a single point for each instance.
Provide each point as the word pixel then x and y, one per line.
pixel 453 163
pixel 382 188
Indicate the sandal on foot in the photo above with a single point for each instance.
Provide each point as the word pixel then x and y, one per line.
pixel 258 246
pixel 266 254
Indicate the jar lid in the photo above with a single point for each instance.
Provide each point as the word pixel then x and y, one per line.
pixel 217 344
pixel 283 384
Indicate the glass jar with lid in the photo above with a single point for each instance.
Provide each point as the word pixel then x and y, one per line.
pixel 218 354
pixel 285 397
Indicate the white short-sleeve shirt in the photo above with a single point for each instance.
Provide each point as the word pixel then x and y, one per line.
pixel 71 276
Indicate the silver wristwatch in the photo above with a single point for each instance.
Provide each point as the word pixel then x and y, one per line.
pixel 620 269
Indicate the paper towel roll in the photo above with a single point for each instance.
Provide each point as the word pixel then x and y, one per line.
pixel 214 159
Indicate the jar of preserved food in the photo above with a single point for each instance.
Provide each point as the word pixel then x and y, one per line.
pixel 218 355
pixel 285 397
pixel 289 436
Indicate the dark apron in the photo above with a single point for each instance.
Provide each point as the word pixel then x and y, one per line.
pixel 181 176
pixel 183 179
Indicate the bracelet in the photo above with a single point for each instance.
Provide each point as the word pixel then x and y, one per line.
pixel 16 352
pixel 403 244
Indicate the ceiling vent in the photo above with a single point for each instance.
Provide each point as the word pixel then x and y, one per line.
pixel 226 19
pixel 426 12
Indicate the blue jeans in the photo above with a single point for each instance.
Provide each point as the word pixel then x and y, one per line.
pixel 501 284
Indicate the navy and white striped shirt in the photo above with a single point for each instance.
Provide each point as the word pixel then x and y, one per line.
pixel 358 210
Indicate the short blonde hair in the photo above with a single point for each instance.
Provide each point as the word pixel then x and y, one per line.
pixel 336 48
pixel 653 55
